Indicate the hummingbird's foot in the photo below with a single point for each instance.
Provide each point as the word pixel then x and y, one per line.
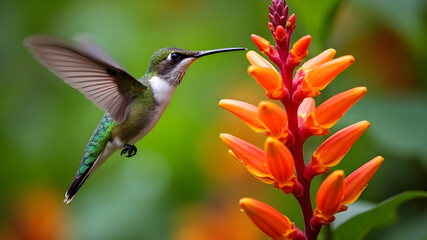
pixel 130 150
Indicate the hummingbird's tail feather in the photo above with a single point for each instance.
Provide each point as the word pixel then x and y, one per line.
pixel 74 188
pixel 97 151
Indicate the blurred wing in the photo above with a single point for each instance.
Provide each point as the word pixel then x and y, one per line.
pixel 108 86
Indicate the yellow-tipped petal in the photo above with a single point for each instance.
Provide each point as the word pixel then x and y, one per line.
pixel 256 59
pixel 356 182
pixel 328 197
pixel 274 119
pixel 280 163
pixel 328 113
pixel 306 107
pixel 262 44
pixel 336 146
pixel 246 112
pixel 249 155
pixel 269 80
pixel 300 49
pixel 280 33
pixel 323 57
pixel 322 75
pixel 267 219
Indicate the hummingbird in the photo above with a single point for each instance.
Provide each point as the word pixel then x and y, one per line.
pixel 133 106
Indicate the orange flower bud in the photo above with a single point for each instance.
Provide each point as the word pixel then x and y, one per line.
pixel 321 76
pixel 246 112
pixel 329 197
pixel 323 57
pixel 316 78
pixel 269 79
pixel 280 163
pixel 300 49
pixel 328 113
pixel 355 183
pixel 262 44
pixel 280 33
pixel 249 156
pixel 274 119
pixel 332 150
pixel 306 108
pixel 269 220
pixel 256 59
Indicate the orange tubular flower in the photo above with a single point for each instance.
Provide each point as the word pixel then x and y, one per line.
pixel 262 44
pixel 328 198
pixel 269 220
pixel 249 156
pixel 274 119
pixel 300 49
pixel 323 57
pixel 306 108
pixel 246 112
pixel 332 150
pixel 269 79
pixel 329 112
pixel 281 164
pixel 318 72
pixel 356 182
pixel 256 59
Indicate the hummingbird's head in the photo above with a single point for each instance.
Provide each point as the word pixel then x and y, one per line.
pixel 172 63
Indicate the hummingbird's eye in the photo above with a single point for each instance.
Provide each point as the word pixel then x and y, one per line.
pixel 174 56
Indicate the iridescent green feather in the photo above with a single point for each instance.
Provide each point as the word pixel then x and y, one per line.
pixel 96 144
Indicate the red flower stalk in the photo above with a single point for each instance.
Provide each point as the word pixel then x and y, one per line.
pixel 282 161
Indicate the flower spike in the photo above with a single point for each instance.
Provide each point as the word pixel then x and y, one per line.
pixel 269 220
pixel 331 151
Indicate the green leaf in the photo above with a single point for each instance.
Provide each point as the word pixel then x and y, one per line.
pixel 383 214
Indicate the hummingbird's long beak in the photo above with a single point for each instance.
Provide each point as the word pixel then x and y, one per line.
pixel 208 52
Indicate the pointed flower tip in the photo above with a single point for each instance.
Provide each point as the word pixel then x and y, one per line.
pixel 280 34
pixel 323 57
pixel 274 119
pixel 300 49
pixel 268 219
pixel 249 156
pixel 256 59
pixel 322 75
pixel 246 112
pixel 329 197
pixel 330 153
pixel 356 182
pixel 280 163
pixel 329 112
pixel 262 44
pixel 270 80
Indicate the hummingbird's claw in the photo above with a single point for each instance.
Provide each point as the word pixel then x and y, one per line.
pixel 130 150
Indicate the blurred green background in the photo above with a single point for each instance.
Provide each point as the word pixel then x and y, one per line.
pixel 182 184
